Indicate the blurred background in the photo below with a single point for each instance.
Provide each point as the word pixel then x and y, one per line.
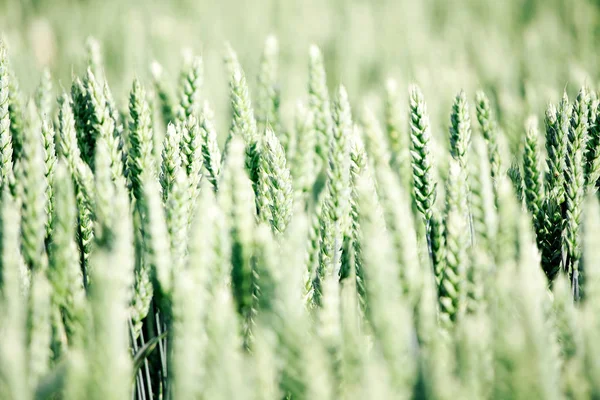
pixel 523 53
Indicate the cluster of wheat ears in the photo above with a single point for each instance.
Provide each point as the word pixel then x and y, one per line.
pixel 318 258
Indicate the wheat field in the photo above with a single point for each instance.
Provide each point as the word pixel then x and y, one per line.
pixel 299 200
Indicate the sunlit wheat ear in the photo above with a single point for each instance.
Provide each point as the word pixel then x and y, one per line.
pixel 483 197
pixel 318 102
pixel 460 128
pixel 94 58
pixel 302 165
pixel 38 327
pixel 569 335
pixel 336 203
pixel 550 218
pixel 190 84
pixel 48 136
pixel 33 182
pixel 162 90
pixel 236 199
pixel 558 121
pixel 224 375
pixel 475 354
pixel 574 188
pixel 274 188
pixel 452 284
pixel 65 272
pixel 211 154
pixel 393 336
pixel 13 356
pixel 489 129
pixel 44 98
pixel 352 259
pixel 267 95
pixel 6 146
pixel 191 157
pixel 591 253
pixel 171 161
pixel 243 122
pixel 157 236
pixel 93 119
pixel 375 141
pixel 111 274
pixel 592 152
pixel 397 133
pixel 193 290
pixel 140 160
pixel 534 191
pixel 16 112
pixel 424 187
pixel 188 337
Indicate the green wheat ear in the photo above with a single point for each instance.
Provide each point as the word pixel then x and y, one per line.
pixel 156 234
pixel 140 160
pixel 375 141
pixel 267 95
pixel 6 147
pixel 569 335
pixel 96 118
pixel 38 327
pixel 274 188
pixel 236 199
pixel 384 292
pixel 48 136
pixel 187 332
pixel 191 155
pixel 397 135
pixel 189 89
pixel 557 127
pixel 243 123
pixel 534 190
pixel 352 258
pixel 34 184
pixel 65 272
pixel 302 166
pixel 16 114
pixel 44 100
pixel 177 221
pixel 13 350
pixel 483 199
pixel 112 267
pixel 460 128
pixel 422 160
pixel 224 374
pixel 161 88
pixel 592 151
pixel 591 252
pixel 335 208
pixel 451 289
pixel 490 133
pixel 574 188
pixel 318 102
pixel 82 177
pixel 93 57
pixel 171 161
pixel 424 187
pixel 211 154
